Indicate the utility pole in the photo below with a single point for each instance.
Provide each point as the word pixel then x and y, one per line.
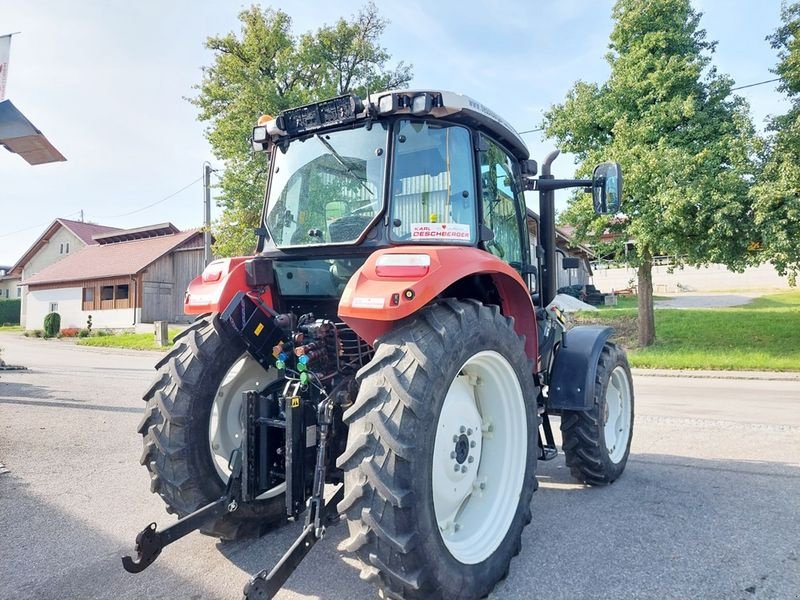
pixel 207 213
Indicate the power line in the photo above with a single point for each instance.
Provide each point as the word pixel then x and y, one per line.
pixel 9 234
pixel 164 199
pixel 749 85
pixel 740 87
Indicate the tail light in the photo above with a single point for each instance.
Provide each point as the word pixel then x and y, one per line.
pixel 403 265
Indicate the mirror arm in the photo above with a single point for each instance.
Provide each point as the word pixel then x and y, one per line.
pixel 545 185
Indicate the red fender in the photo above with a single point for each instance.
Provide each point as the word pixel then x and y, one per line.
pixel 215 288
pixel 385 290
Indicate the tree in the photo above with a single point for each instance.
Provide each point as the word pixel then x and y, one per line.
pixel 265 70
pixel 776 196
pixel 684 143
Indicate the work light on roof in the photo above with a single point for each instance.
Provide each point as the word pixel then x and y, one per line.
pixel 421 104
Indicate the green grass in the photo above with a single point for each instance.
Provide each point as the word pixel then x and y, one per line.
pixel 763 335
pixel 10 328
pixel 130 341
pixel 627 302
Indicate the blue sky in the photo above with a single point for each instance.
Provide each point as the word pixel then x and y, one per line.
pixel 106 81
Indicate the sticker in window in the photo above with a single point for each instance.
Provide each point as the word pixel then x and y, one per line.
pixel 440 231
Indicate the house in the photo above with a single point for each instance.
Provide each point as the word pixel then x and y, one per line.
pixel 126 277
pixel 9 284
pixel 565 247
pixel 60 239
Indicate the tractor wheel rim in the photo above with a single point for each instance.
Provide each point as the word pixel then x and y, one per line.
pixel 479 457
pixel 617 428
pixel 226 425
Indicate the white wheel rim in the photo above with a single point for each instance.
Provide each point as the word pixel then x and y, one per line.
pixel 479 457
pixel 226 425
pixel 617 427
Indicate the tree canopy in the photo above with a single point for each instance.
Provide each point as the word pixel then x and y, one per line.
pixel 686 145
pixel 266 69
pixel 776 196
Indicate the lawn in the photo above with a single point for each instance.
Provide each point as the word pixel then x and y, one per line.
pixel 10 328
pixel 131 341
pixel 763 335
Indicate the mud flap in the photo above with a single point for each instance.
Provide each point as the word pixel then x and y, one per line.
pixel 575 366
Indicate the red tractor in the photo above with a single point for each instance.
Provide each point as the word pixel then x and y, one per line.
pixel 394 337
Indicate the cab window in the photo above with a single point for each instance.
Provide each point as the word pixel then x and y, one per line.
pixel 500 201
pixel 433 184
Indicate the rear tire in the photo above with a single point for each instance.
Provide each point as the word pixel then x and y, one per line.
pixel 176 437
pixel 597 442
pixel 447 403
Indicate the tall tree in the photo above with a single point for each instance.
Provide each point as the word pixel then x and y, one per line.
pixel 266 69
pixel 684 143
pixel 776 196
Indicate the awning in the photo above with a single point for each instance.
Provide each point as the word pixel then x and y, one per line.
pixel 19 135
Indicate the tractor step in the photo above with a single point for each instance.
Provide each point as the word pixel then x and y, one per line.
pixel 547 448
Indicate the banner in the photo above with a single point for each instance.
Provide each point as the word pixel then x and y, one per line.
pixel 5 45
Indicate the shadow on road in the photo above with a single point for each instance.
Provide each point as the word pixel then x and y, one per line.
pixel 23 390
pixel 51 555
pixel 671 527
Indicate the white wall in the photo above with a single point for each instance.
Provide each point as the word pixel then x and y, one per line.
pixel 51 252
pixel 70 305
pixel 714 278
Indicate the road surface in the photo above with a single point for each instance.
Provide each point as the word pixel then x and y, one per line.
pixel 709 506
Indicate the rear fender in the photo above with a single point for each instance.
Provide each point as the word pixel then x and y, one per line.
pixel 214 289
pixel 575 367
pixel 372 303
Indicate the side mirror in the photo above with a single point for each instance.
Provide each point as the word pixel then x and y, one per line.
pixel 607 188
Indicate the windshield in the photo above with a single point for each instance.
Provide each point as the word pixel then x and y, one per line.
pixel 328 187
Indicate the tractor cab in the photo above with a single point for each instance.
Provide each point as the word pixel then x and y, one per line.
pixel 404 168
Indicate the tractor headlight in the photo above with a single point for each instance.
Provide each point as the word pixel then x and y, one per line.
pixel 387 104
pixel 260 134
pixel 421 104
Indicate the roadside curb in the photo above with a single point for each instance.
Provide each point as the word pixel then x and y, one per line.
pixel 698 374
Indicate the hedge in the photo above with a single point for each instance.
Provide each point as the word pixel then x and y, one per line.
pixel 10 311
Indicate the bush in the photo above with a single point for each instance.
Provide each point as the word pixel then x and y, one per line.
pixel 102 332
pixel 52 324
pixel 69 332
pixel 83 333
pixel 38 333
pixel 10 311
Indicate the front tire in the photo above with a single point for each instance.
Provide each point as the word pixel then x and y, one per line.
pixel 190 425
pixel 597 442
pixel 441 454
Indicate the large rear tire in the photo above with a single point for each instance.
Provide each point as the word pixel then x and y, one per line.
pixel 192 422
pixel 441 454
pixel 597 442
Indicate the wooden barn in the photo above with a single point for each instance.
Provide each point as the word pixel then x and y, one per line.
pixel 127 277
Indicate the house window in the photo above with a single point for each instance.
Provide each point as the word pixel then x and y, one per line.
pixel 6 293
pixel 107 292
pixel 53 307
pixel 61 248
pixel 121 292
pixel 88 298
pixel 19 292
pixel 66 248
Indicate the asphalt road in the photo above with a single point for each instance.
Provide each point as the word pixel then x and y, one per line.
pixel 709 506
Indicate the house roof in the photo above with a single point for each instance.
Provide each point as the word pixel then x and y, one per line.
pixel 111 260
pixel 564 237
pixel 83 231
